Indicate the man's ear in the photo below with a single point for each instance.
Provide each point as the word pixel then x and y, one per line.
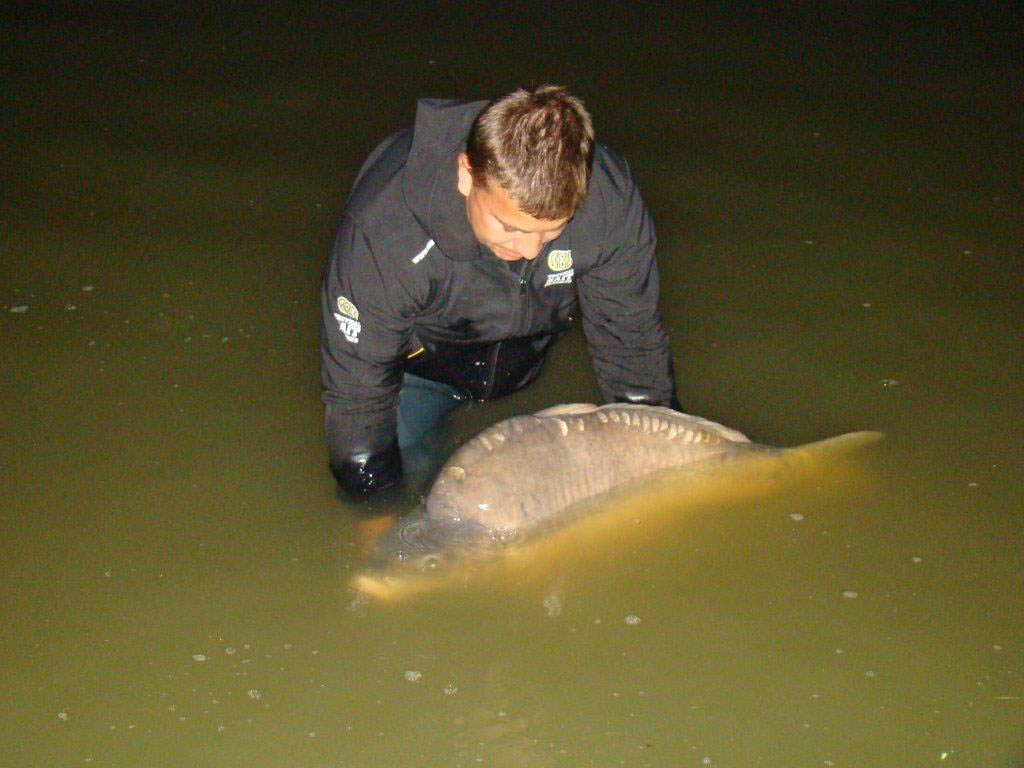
pixel 465 181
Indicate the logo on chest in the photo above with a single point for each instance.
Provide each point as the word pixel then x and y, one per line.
pixel 348 319
pixel 560 264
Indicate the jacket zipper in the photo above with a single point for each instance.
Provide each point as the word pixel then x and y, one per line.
pixel 524 294
pixel 523 281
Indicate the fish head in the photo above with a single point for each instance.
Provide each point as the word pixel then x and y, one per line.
pixel 419 554
pixel 414 544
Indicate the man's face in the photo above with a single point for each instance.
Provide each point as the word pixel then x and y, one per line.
pixel 498 222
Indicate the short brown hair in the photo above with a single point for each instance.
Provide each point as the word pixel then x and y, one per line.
pixel 537 146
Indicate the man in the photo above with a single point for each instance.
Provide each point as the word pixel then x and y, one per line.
pixel 469 242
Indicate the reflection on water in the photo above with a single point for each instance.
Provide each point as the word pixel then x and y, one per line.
pixel 840 240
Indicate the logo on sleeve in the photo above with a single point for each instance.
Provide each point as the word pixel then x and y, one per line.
pixel 560 264
pixel 348 319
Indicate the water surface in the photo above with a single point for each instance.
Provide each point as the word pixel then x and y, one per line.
pixel 839 211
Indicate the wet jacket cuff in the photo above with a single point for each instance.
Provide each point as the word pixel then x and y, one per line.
pixel 362 472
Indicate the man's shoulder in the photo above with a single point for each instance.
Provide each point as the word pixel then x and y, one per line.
pixel 379 181
pixel 377 204
pixel 611 193
pixel 611 175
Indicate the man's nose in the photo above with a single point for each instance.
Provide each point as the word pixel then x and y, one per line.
pixel 530 247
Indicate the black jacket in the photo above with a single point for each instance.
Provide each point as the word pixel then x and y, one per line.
pixel 407 277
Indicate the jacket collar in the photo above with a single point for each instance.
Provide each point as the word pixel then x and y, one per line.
pixel 431 173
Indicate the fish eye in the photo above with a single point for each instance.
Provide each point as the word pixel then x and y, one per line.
pixel 430 563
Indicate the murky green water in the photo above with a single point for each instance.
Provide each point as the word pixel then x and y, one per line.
pixel 839 207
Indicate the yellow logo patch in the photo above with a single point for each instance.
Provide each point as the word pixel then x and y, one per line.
pixel 346 307
pixel 560 260
pixel 348 319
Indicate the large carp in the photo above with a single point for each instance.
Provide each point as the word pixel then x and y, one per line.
pixel 529 476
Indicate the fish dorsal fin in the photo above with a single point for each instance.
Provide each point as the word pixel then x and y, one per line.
pixel 567 409
pixel 578 409
pixel 725 432
pixel 697 422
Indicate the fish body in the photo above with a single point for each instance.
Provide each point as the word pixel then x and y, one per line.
pixel 523 473
pixel 530 475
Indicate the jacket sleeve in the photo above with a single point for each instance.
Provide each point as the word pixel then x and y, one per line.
pixel 362 339
pixel 619 300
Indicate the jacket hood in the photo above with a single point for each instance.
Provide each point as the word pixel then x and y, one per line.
pixel 429 186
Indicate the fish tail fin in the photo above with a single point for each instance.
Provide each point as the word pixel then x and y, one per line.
pixel 831 459
pixel 840 445
pixel 831 449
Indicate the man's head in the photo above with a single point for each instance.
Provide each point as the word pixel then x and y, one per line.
pixel 525 169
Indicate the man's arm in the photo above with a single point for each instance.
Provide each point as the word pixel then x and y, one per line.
pixel 361 343
pixel 619 300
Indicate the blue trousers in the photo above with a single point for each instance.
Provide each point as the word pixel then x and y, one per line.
pixel 423 410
